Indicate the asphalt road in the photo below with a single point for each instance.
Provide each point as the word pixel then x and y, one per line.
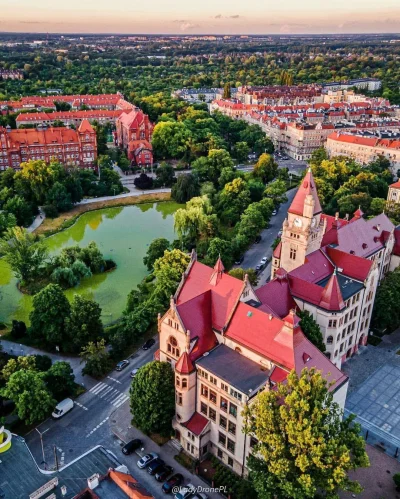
pixel 256 252
pixel 87 425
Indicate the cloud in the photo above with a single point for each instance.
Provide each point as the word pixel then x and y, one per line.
pixel 185 25
pixel 218 16
pixel 236 16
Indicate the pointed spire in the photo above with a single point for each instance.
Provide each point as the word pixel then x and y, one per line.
pixel 307 188
pixel 218 271
pixel 331 298
pixel 184 364
pixel 358 214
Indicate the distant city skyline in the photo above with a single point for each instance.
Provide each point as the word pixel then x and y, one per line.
pixel 206 17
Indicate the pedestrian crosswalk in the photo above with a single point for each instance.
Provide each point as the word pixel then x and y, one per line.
pixel 110 394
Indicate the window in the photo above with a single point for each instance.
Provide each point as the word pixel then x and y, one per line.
pixel 203 408
pixel 221 439
pixel 329 340
pixel 237 349
pixel 172 347
pixel 223 404
pixel 212 414
pixel 253 442
pixel 179 398
pixel 204 391
pixel 213 380
pixel 293 252
pixel 220 453
pixel 230 462
pixel 213 397
pixel 236 394
pixel 223 421
pixel 233 410
pixel 332 323
pixel 224 387
pixel 184 383
pixel 232 428
pixel 231 446
pixel 178 381
pixel 341 348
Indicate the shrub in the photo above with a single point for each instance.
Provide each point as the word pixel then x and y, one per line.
pixel 396 479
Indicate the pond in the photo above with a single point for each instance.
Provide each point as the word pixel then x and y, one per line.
pixel 122 234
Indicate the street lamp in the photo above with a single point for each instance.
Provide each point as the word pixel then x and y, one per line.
pixel 41 442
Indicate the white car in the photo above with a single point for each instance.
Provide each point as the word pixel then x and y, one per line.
pixel 134 372
pixel 146 460
pixel 185 492
pixel 264 260
pixel 274 213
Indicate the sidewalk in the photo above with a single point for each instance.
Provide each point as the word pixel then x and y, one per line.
pixel 38 221
pixel 133 193
pixel 120 425
pixel 22 350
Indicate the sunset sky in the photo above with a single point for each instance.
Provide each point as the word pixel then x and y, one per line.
pixel 205 16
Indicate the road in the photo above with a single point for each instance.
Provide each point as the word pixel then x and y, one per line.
pixel 256 252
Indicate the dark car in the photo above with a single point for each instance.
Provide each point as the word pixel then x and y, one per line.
pixel 121 365
pixel 163 473
pixel 258 239
pixel 239 260
pixel 172 482
pixel 149 343
pixel 131 446
pixel 155 466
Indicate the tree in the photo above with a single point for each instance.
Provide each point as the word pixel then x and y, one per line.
pixel 165 175
pixel 97 359
pixel 210 168
pixel 311 329
pixel 276 191
pixel 151 412
pixel 186 187
pixel 21 210
pixel 49 317
pixel 242 151
pixel 155 250
pixel 60 380
pixel 233 200
pixel 266 168
pixel 349 204
pixel 227 91
pixel 27 389
pixel 170 139
pixel 24 252
pixel 251 222
pixel 377 206
pixel 36 178
pixel 386 313
pixel 7 221
pixel 59 197
pixel 84 322
pixel 143 182
pixel 219 248
pixel 13 365
pixel 168 271
pixel 239 273
pixel 18 329
pixel 304 447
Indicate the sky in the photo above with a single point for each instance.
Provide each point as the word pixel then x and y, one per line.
pixel 204 16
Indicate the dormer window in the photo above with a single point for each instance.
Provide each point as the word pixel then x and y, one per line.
pixel 306 357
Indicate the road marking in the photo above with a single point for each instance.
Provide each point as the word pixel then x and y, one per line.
pixel 104 393
pixel 81 406
pixel 98 388
pixel 113 379
pixel 116 399
pixel 95 386
pixel 122 401
pixel 97 427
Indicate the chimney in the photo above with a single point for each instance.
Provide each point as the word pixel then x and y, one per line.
pixel 63 490
pixel 347 216
pixel 93 481
pixel 378 227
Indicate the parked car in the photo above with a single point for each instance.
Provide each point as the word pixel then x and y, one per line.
pixel 274 213
pixel 163 473
pixel 239 260
pixel 172 482
pixel 258 239
pixel 121 365
pixel 185 492
pixel 149 343
pixel 131 446
pixel 62 408
pixel 134 372
pixel 155 466
pixel 264 260
pixel 280 233
pixel 258 268
pixel 147 459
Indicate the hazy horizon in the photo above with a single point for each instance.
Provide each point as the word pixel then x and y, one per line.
pixel 259 17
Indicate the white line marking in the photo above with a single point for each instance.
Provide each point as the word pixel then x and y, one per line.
pixel 122 401
pixel 113 379
pixel 103 394
pixel 81 406
pixel 97 427
pixel 95 386
pixel 121 395
pixel 99 388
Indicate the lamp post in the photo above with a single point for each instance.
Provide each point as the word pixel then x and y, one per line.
pixel 41 442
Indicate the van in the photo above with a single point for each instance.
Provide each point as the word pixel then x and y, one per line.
pixel 62 408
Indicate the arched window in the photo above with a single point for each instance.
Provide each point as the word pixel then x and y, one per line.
pixel 178 381
pixel 172 347
pixel 328 354
pixel 237 349
pixel 329 340
pixel 184 383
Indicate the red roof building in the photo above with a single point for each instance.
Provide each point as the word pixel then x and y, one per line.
pixel 134 132
pixel 67 146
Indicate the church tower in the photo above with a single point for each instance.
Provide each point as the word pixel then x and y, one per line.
pixel 303 229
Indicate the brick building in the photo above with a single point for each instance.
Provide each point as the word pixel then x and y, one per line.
pixel 133 135
pixel 69 147
pixel 70 117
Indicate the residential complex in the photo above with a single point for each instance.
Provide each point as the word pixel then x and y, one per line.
pixel 366 147
pixel 11 74
pixel 69 147
pixel 134 132
pixel 74 118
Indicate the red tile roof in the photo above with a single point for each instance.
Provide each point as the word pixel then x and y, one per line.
pixel 351 265
pixel 276 296
pixel 277 250
pixel 278 375
pixel 315 268
pixel 184 364
pixel 196 423
pixel 306 188
pixel 85 126
pixel 396 185
pixel 332 298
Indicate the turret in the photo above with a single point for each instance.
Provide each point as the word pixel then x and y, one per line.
pixel 185 388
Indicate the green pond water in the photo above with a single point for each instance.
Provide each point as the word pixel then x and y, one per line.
pixel 122 234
